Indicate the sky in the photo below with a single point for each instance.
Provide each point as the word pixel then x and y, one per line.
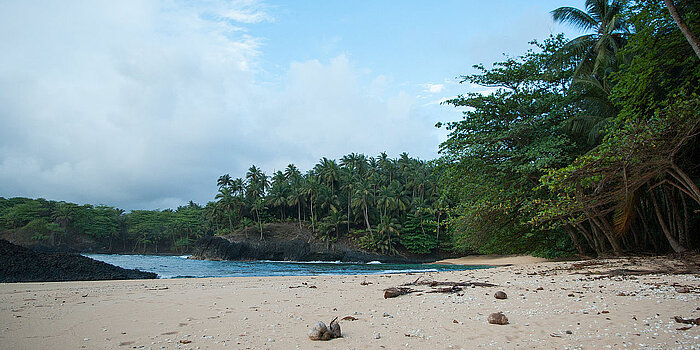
pixel 144 104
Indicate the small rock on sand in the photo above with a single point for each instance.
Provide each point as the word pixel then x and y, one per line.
pixel 682 290
pixel 500 295
pixel 498 318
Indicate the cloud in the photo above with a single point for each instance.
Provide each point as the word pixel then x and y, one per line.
pixel 433 88
pixel 143 104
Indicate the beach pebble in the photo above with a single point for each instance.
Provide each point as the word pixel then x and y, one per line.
pixel 682 290
pixel 500 295
pixel 498 318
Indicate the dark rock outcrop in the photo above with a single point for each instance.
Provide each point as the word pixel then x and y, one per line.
pixel 19 264
pixel 296 249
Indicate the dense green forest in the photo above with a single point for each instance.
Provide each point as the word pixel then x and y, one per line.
pixel 586 145
pixel 589 143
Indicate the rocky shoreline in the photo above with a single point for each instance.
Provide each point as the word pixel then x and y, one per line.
pixel 19 264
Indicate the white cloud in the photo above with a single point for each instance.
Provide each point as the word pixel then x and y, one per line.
pixel 434 88
pixel 143 104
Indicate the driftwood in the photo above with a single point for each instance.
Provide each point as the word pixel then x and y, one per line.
pixel 453 289
pixel 679 319
pixel 438 287
pixel 451 284
pixel 394 292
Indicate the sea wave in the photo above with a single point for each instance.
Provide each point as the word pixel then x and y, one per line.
pixel 375 262
pixel 307 262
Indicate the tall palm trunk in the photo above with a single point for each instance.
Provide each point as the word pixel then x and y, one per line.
pixel 364 202
pixel 299 214
pixel 692 39
pixel 349 200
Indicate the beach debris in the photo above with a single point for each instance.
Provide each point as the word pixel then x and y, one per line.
pixel 453 289
pixel 365 283
pixel 684 328
pixel 682 289
pixel 679 319
pixel 498 318
pixel 387 315
pixel 500 295
pixel 156 288
pixel 185 341
pixel 540 288
pixel 417 282
pixel 377 335
pixel 349 318
pixel 455 321
pixel 321 332
pixel 394 292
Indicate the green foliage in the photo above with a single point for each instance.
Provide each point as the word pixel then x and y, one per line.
pixel 418 235
pixel 494 157
pixel 662 66
pixel 41 229
pixel 375 242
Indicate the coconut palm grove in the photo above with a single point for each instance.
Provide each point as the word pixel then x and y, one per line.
pixel 586 145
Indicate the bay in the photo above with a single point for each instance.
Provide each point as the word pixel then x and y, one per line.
pixel 182 267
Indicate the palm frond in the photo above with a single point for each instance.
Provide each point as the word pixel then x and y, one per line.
pixel 625 214
pixel 575 17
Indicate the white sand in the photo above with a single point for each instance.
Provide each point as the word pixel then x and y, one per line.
pixel 493 260
pixel 272 313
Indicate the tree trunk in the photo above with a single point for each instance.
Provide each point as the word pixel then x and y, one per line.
pixel 257 214
pixel 299 215
pixel 369 228
pixel 608 233
pixel 349 200
pixel 437 233
pixel 230 223
pixel 313 228
pixel 577 244
pixel 672 241
pixel 692 39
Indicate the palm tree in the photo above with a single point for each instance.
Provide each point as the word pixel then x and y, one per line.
pixel 692 39
pixel 310 190
pixel 387 228
pixel 259 205
pixel 363 194
pixel 224 181
pixel 226 203
pixel 348 181
pixel 328 172
pixel 594 52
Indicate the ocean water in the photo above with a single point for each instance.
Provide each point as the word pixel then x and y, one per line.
pixel 182 267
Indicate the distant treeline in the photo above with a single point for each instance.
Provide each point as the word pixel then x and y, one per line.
pixel 379 204
pixel 56 223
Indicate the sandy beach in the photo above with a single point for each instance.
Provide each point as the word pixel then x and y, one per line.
pixel 622 304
